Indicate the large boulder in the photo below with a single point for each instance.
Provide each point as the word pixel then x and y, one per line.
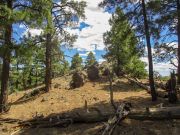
pixel 106 72
pixel 78 79
pixel 93 73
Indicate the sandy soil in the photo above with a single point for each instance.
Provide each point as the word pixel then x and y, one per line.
pixel 62 100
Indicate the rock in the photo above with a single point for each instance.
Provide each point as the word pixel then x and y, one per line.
pixel 57 85
pixel 67 87
pixel 93 73
pixel 95 98
pixel 43 99
pixel 106 72
pixel 103 64
pixel 5 129
pixel 78 80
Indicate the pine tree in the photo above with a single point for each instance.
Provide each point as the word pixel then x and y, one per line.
pixel 121 45
pixel 76 62
pixel 59 65
pixel 59 17
pixel 138 16
pixel 27 68
pixel 6 57
pixel 168 21
pixel 90 60
pixel 28 11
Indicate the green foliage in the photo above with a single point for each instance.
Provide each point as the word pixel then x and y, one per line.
pixel 63 18
pixel 167 20
pixel 90 60
pixel 164 78
pixel 29 70
pixel 76 62
pixel 136 68
pixel 28 57
pixel 27 64
pixel 59 65
pixel 121 44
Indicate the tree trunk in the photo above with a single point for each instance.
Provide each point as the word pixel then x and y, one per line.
pixel 36 83
pixel 6 65
pixel 24 80
pixel 48 63
pixel 151 77
pixel 118 67
pixel 17 70
pixel 30 77
pixel 171 87
pixel 118 70
pixel 110 76
pixel 178 33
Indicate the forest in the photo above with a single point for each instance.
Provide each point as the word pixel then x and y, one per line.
pixel 53 82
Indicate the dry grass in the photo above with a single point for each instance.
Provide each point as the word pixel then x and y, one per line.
pixel 62 100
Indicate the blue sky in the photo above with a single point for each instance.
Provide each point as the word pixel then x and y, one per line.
pixel 90 35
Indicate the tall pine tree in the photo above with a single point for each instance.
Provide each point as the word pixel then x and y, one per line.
pixel 76 62
pixel 139 17
pixel 90 60
pixel 59 17
pixel 12 12
pixel 122 46
pixel 168 21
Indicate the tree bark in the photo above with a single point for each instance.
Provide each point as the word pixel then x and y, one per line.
pixel 110 76
pixel 6 64
pixel 36 83
pixel 48 63
pixel 17 70
pixel 178 33
pixel 147 34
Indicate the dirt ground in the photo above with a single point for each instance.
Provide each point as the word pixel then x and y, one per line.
pixel 62 100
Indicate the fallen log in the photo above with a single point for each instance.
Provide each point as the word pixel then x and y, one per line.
pixel 163 113
pixel 64 121
pixel 121 113
pixel 30 96
pixel 160 85
pixel 86 117
pixel 160 93
pixel 8 120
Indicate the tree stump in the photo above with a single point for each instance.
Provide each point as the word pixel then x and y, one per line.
pixel 171 88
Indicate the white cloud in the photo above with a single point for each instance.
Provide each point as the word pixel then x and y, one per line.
pixel 22 26
pixel 164 68
pixel 101 60
pixel 86 54
pixel 33 32
pixel 91 38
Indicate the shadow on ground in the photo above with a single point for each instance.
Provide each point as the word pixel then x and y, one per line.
pixel 127 127
pixel 121 86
